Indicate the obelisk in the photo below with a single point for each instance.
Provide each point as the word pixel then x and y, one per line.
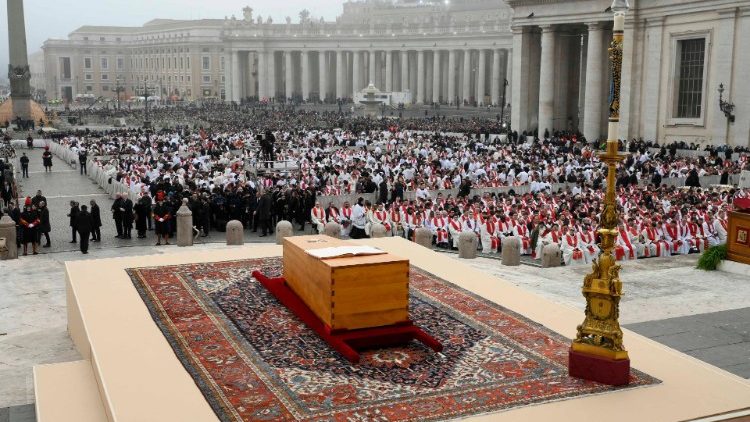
pixel 18 67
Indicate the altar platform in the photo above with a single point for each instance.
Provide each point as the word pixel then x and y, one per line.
pixel 135 376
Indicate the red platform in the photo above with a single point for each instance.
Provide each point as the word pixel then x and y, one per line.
pixel 599 369
pixel 346 342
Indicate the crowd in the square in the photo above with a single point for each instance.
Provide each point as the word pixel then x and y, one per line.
pixel 230 168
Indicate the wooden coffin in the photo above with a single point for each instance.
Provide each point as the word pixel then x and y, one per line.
pixel 347 293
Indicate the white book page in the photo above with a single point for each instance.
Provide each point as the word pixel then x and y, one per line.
pixel 340 251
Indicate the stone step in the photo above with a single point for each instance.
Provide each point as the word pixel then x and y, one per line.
pixel 67 392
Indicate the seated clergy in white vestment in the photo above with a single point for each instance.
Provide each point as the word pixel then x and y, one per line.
pixel 572 250
pixel 654 244
pixel 318 217
pixel 673 236
pixel 587 241
pixel 489 234
pixel 624 249
pixel 551 237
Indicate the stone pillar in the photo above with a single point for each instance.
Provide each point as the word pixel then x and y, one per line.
pixel 423 237
pixel 436 77
pixel 20 88
pixel 340 74
pixel 481 76
pixel 466 95
pixel 235 233
pixel 357 72
pixel 288 75
pixel 404 70
pixel 251 91
pixel 547 81
pixel 495 93
pixel 508 76
pixel 451 77
pixel 228 78
pixel 305 64
pixel 371 67
pixel 388 71
pixel 332 229
pixel 271 74
pixel 420 77
pixel 283 229
pixel 322 75
pixel 235 76
pixel 377 230
pixel 8 231
pixel 593 102
pixel 551 256
pixel 520 82
pixel 262 74
pixel 184 225
pixel 511 253
pixel 467 245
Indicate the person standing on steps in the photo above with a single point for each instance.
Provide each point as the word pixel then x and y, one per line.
pixel 47 160
pixel 24 165
pixel 161 219
pixel 117 213
pixel 83 157
pixel 44 224
pixel 83 225
pixel 29 221
pixel 74 210
pixel 127 217
pixel 96 222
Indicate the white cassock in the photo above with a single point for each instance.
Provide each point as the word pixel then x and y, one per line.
pixel 489 235
pixel 382 218
pixel 653 244
pixel 677 244
pixel 522 233
pixel 318 219
pixel 454 229
pixel 587 241
pixel 635 240
pixel 711 234
pixel 697 239
pixel 624 249
pixel 345 219
pixel 572 250
pixel 720 227
pixel 395 219
pixel 440 229
pixel 410 223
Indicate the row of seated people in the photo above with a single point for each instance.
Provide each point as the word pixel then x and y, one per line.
pixel 637 238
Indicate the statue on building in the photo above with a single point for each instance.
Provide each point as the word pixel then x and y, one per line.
pixel 270 20
pixel 288 20
pixel 260 20
pixel 304 16
pixel 247 13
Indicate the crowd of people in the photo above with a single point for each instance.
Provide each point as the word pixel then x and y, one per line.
pixel 261 165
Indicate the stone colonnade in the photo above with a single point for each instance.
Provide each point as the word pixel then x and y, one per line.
pixel 561 81
pixel 470 76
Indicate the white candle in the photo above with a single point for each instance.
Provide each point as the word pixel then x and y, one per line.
pixel 619 22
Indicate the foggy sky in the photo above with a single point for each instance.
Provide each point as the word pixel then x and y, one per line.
pixel 57 18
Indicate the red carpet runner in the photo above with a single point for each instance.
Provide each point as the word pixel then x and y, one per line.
pixel 254 360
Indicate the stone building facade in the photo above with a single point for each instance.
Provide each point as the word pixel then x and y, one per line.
pixel 439 51
pixel 676 54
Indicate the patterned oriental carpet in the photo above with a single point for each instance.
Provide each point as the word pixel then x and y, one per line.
pixel 254 360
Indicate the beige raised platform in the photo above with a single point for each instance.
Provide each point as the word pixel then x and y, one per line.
pixel 67 392
pixel 140 379
pixel 350 292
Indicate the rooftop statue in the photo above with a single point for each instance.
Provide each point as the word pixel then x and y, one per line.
pixel 247 13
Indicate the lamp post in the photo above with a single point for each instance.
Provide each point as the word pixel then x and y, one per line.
pixel 502 109
pixel 146 121
pixel 725 106
pixel 598 353
pixel 118 89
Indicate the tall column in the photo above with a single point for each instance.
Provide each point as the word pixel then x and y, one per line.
pixel 404 70
pixel 593 103
pixel 547 80
pixel 235 76
pixel 371 73
pixel 436 77
pixel 420 77
pixel 20 88
pixel 467 76
pixel 340 74
pixel 451 77
pixel 496 82
pixel 251 91
pixel 357 72
pixel 305 59
pixel 388 71
pixel 322 75
pixel 520 109
pixel 481 76
pixel 271 74
pixel 289 75
pixel 227 77
pixel 262 74
pixel 508 76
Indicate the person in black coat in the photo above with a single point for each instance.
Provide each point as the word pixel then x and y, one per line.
pixel 264 213
pixel 47 160
pixel 24 165
pixel 83 225
pixel 162 215
pixel 141 209
pixel 127 217
pixel 118 213
pixel 692 179
pixel 6 193
pixel 44 224
pixel 29 222
pixel 96 222
pixel 74 210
